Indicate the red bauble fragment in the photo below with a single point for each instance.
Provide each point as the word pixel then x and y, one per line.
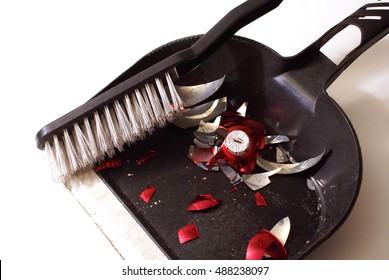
pixel 265 243
pixel 149 155
pixel 244 159
pixel 147 193
pixel 234 189
pixel 202 202
pixel 109 164
pixel 188 233
pixel 259 200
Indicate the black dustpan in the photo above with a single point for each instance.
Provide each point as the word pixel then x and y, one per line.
pixel 288 95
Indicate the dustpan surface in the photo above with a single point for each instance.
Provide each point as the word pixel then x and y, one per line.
pixel 288 97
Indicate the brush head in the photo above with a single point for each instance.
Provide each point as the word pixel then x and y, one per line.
pixel 87 142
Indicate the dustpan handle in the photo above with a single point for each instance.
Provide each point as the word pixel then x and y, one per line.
pixel 373 23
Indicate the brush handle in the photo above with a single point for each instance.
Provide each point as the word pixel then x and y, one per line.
pixel 184 61
pixel 223 30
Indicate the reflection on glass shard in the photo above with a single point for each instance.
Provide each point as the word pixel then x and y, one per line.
pixel 202 202
pixel 191 117
pixel 259 180
pixel 275 139
pixel 202 166
pixel 229 172
pixel 207 127
pixel 201 144
pixel 198 155
pixel 313 184
pixel 188 233
pixel 208 139
pixel 281 230
pixel 215 168
pixel 242 109
pixel 194 94
pixel 206 135
pixel 289 168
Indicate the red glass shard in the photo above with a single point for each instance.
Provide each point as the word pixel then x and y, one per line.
pixel 259 200
pixel 188 233
pixel 109 164
pixel 147 193
pixel 149 155
pixel 234 189
pixel 265 243
pixel 202 202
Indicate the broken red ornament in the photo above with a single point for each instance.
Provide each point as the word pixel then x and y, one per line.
pixel 265 243
pixel 202 202
pixel 109 164
pixel 244 137
pixel 188 233
pixel 147 193
pixel 259 200
pixel 147 156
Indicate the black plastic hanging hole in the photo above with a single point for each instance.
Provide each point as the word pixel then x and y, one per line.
pixel 342 43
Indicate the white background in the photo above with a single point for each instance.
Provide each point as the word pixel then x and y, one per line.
pixel 54 55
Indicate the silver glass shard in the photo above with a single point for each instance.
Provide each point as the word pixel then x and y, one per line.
pixel 229 172
pixel 192 95
pixel 289 168
pixel 259 180
pixel 191 117
pixel 276 139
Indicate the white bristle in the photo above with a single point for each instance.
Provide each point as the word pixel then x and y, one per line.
pixel 62 169
pixel 149 109
pixel 104 144
pixel 112 129
pixel 82 147
pixel 50 157
pixel 124 125
pixel 143 114
pixel 135 126
pixel 169 112
pixel 178 104
pixel 138 116
pixel 72 155
pixel 157 109
pixel 90 140
pixel 127 121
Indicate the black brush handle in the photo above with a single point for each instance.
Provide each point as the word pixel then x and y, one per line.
pixel 225 29
pixel 183 61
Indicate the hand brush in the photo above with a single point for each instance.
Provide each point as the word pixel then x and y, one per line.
pixel 129 110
